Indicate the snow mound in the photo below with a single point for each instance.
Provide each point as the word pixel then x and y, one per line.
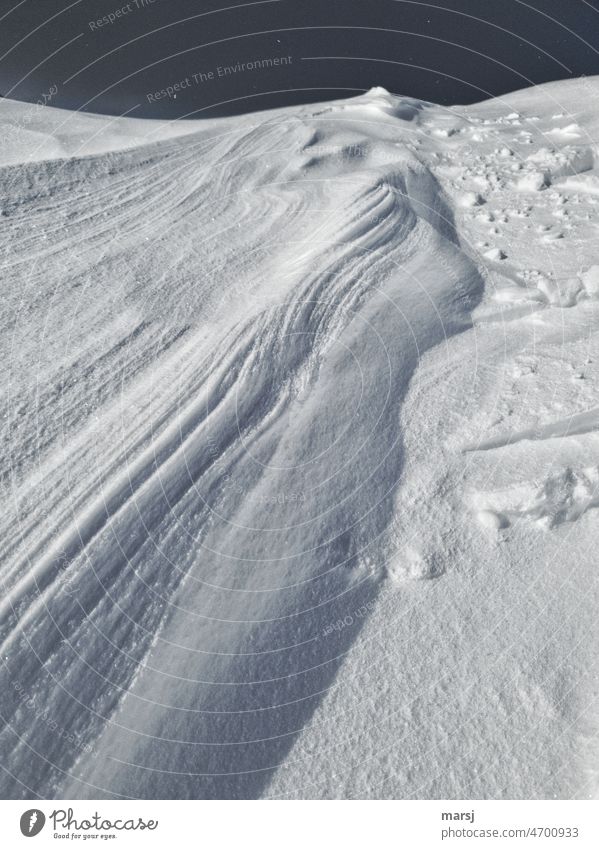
pixel 378 101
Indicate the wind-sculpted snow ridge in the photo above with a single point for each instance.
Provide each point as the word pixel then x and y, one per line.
pixel 250 371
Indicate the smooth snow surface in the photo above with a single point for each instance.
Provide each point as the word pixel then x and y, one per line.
pixel 300 452
pixel 30 133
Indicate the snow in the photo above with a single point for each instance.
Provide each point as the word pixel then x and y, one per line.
pixel 300 454
pixel 34 132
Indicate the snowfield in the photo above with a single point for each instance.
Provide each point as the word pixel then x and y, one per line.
pixel 300 452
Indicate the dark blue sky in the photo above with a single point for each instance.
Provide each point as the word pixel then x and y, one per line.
pixel 113 56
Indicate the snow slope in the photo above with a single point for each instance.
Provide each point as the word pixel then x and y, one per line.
pixel 299 453
pixel 34 132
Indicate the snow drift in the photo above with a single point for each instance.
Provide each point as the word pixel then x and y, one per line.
pixel 293 505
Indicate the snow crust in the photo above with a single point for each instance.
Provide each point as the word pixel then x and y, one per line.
pixel 299 451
